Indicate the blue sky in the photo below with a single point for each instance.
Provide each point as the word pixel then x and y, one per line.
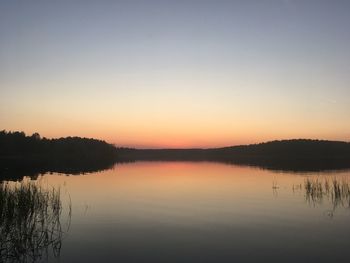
pixel 196 73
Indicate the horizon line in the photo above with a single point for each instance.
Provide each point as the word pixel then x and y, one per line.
pixel 226 146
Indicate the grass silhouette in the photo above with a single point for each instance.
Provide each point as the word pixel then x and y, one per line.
pixel 30 221
pixel 336 190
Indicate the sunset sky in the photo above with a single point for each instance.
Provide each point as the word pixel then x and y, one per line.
pixel 176 73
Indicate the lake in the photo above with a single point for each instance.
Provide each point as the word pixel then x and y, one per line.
pixel 199 212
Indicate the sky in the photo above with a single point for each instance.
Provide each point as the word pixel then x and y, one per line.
pixel 171 74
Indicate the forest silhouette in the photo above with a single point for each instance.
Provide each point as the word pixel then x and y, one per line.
pixel 29 155
pixel 292 155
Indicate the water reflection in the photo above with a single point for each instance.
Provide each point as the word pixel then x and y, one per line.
pixel 198 212
pixel 13 171
pixel 30 217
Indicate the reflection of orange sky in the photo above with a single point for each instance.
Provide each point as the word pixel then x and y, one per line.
pixel 179 192
pixel 174 178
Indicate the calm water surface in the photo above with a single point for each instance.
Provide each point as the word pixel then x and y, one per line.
pixel 199 212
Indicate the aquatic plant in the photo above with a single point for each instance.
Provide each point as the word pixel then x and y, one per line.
pixel 336 190
pixel 29 221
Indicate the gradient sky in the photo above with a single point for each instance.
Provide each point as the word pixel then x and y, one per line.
pixel 176 73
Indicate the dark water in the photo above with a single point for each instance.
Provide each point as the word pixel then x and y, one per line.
pixel 199 212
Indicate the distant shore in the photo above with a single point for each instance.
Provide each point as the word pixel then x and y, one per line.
pixel 21 153
pixel 294 155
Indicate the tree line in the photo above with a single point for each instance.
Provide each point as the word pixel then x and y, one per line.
pixel 293 155
pixel 18 144
pixel 27 155
pixel 75 154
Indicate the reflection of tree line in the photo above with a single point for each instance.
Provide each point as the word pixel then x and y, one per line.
pixel 30 219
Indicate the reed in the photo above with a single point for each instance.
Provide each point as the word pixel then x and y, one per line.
pixel 29 221
pixel 336 190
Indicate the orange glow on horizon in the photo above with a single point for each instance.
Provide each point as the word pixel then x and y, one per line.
pixel 193 140
pixel 182 133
